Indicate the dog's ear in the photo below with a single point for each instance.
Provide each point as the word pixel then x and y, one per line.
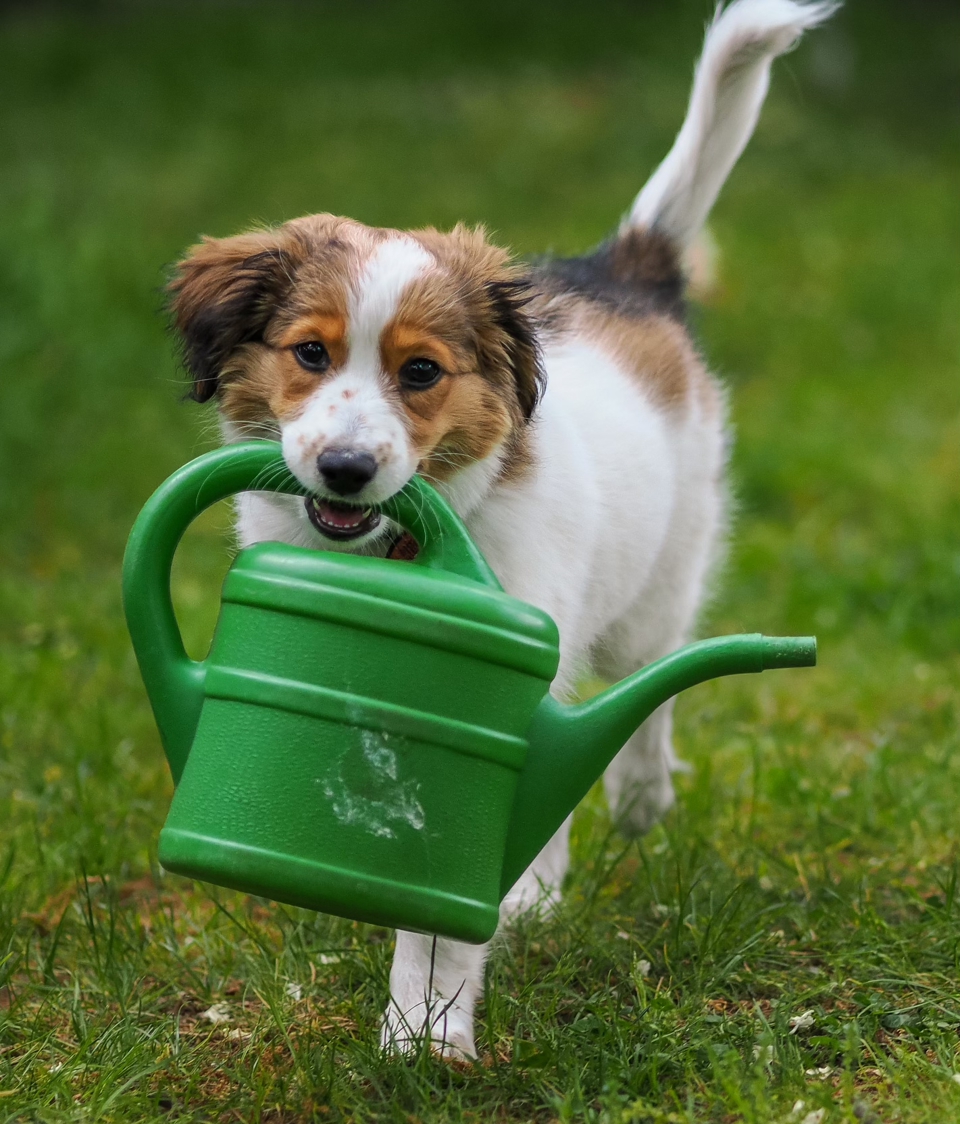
pixel 223 294
pixel 514 341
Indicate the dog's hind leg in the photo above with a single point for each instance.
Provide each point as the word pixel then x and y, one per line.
pixel 638 781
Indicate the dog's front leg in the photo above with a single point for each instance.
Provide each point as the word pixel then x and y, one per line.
pixel 538 888
pixel 434 984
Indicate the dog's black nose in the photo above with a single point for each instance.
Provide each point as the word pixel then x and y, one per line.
pixel 346 471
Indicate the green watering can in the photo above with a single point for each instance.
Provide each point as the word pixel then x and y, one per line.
pixel 374 738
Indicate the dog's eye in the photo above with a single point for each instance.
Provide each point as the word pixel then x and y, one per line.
pixel 312 356
pixel 418 374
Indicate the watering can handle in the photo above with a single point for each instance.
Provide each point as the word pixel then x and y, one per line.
pixel 174 681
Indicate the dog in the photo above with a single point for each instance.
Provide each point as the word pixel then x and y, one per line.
pixel 560 406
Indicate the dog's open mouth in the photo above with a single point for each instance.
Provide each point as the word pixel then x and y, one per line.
pixel 341 521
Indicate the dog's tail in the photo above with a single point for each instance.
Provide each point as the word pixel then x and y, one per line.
pixel 729 85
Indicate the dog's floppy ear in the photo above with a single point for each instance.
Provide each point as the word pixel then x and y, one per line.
pixel 515 339
pixel 223 294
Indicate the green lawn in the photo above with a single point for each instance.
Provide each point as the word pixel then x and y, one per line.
pixel 812 862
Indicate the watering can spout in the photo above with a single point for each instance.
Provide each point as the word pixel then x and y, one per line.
pixel 570 746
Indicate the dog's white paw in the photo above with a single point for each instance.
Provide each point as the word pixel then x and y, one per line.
pixel 446 1028
pixel 642 805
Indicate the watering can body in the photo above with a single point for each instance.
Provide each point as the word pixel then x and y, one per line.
pixel 358 740
pixel 348 708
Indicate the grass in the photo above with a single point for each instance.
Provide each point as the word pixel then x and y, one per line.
pixel 812 862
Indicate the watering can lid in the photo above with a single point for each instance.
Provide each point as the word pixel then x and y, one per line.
pixel 501 627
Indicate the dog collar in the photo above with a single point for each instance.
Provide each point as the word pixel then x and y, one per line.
pixel 404 548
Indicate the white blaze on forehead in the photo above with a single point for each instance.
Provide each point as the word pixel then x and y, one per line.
pixel 355 408
pixel 386 274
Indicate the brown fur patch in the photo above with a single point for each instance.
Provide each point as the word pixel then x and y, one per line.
pixel 401 342
pixel 474 305
pixel 460 421
pixel 328 328
pixel 467 414
pixel 492 295
pixel 644 258
pixel 657 352
pixel 262 385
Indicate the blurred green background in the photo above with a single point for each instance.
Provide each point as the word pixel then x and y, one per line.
pixel 126 130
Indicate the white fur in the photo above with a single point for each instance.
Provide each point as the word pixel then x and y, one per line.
pixel 614 529
pixel 729 86
pixel 392 267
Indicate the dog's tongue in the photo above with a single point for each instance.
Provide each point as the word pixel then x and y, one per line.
pixel 340 521
pixel 340 516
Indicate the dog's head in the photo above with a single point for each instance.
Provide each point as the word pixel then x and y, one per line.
pixel 371 354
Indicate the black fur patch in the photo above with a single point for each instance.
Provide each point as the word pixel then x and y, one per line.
pixel 232 312
pixel 635 274
pixel 508 301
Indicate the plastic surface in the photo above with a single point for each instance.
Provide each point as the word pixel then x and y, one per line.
pixel 374 738
pixel 352 742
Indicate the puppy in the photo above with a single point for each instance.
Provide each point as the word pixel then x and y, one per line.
pixel 560 407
